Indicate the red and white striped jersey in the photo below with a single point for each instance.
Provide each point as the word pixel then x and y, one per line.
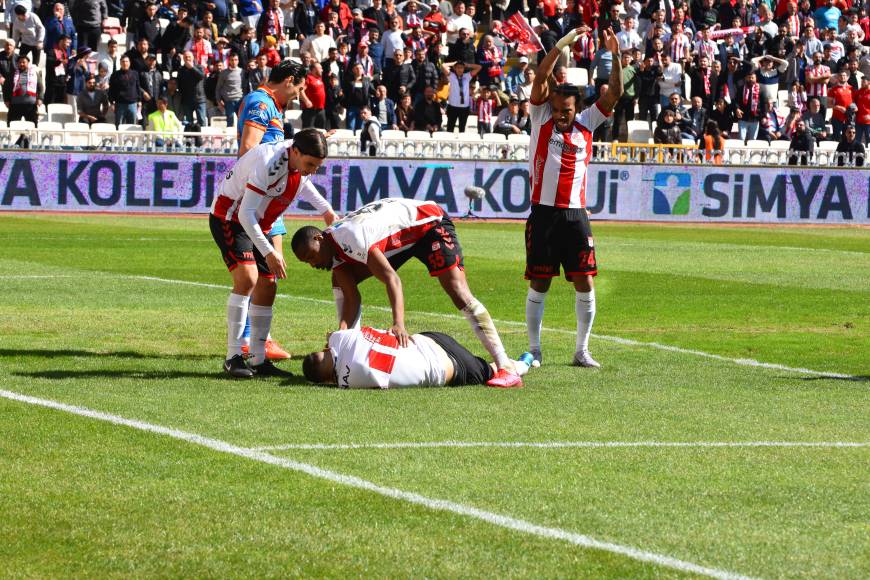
pixel 817 89
pixel 371 358
pixel 391 225
pixel 264 172
pixel 558 161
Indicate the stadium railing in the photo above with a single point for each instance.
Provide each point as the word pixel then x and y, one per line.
pixel 395 144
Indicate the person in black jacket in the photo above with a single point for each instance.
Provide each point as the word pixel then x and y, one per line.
pixel 400 77
pixel 850 152
pixel 150 28
pixel 305 16
pixel 245 46
pixel 648 90
pixel 191 85
pixel 88 16
pixel 153 87
pixel 138 54
pixel 426 75
pixel 124 93
pixel 8 63
pixel 358 91
pixel 174 39
pixel 428 115
pixel 463 48
pixel 803 144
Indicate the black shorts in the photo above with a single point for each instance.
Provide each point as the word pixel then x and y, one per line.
pixel 559 236
pixel 438 249
pixel 235 245
pixel 467 368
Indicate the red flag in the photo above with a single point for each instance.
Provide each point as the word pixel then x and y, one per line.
pixel 517 29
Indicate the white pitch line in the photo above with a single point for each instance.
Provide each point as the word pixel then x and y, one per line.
pixel 559 444
pixel 616 339
pixel 352 481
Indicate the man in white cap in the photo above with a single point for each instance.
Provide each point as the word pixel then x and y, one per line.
pixel 516 76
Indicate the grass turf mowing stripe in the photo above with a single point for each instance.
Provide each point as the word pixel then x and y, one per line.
pixel 561 444
pixel 616 339
pixel 356 482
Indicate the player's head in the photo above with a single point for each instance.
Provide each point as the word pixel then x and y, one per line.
pixel 308 151
pixel 287 79
pixel 565 102
pixel 318 367
pixel 308 246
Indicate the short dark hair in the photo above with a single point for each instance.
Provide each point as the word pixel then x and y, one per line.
pixel 288 68
pixel 302 236
pixel 20 10
pixel 311 142
pixel 568 90
pixel 308 369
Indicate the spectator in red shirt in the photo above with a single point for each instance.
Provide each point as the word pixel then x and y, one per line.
pixel 314 99
pixel 343 10
pixel 841 99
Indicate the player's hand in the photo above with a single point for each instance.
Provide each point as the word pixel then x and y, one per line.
pixel 570 38
pixel 398 330
pixel 277 265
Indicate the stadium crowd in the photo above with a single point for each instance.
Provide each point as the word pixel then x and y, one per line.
pixel 761 69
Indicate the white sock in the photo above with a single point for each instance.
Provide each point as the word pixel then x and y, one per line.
pixel 338 294
pixel 521 367
pixel 261 322
pixel 237 312
pixel 481 323
pixel 584 305
pixel 534 317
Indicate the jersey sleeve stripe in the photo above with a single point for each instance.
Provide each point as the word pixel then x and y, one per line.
pixel 602 111
pixel 252 123
pixel 255 189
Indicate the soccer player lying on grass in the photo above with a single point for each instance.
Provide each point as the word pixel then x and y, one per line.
pixel 557 230
pixel 361 358
pixel 376 240
pixel 256 191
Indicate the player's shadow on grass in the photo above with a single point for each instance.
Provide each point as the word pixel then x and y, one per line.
pixel 59 375
pixel 64 353
pixel 854 379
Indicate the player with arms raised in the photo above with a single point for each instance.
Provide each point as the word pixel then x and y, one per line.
pixel 557 230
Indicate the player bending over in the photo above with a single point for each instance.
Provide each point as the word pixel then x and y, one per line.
pixel 261 120
pixel 258 190
pixel 361 358
pixel 557 230
pixel 376 240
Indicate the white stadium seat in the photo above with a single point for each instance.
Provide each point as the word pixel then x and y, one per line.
pixel 60 113
pixel 77 134
pixel 50 134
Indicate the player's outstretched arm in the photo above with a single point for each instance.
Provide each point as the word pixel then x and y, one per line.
pixel 541 84
pixel 614 83
pixel 381 269
pixel 344 279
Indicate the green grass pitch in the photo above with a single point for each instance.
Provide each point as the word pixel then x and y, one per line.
pixel 125 315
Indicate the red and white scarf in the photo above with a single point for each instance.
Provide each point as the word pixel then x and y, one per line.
pixel 751 97
pixel 25 84
pixel 200 54
pixel 584 48
pixel 705 74
pixel 484 110
pixel 793 23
